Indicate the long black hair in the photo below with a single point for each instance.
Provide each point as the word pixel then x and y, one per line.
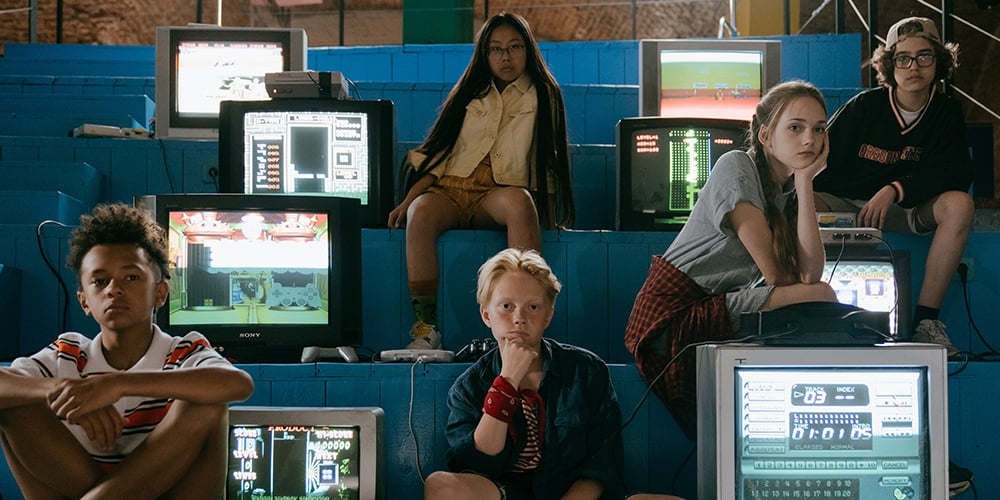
pixel 551 143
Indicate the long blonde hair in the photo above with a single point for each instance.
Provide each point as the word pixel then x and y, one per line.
pixel 785 238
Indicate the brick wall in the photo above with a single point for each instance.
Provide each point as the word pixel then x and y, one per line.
pixel 380 22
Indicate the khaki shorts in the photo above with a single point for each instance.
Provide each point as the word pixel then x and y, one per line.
pixel 466 193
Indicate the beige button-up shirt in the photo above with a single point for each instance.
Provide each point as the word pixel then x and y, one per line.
pixel 501 125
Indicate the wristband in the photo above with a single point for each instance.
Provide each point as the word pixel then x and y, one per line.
pixel 898 190
pixel 502 401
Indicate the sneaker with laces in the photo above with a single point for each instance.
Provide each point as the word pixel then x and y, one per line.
pixel 959 479
pixel 933 331
pixel 425 336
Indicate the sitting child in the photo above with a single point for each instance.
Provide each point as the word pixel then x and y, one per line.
pixel 533 418
pixel 133 412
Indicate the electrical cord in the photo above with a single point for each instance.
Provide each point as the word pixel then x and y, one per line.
pixel 963 274
pixel 409 418
pixel 52 268
pixel 166 167
pixel 892 262
pixel 352 85
pixel 649 385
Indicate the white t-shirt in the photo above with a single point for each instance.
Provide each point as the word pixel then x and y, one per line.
pixel 74 355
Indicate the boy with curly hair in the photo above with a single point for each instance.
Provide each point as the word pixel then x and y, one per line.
pixel 900 160
pixel 133 412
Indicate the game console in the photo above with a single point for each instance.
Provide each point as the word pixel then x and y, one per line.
pixel 475 350
pixel 850 235
pixel 301 84
pixel 316 353
pixel 417 356
pixel 91 130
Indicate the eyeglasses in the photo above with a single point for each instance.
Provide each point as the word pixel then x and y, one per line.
pixel 923 60
pixel 498 52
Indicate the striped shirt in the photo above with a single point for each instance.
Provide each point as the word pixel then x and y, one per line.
pixel 74 355
pixel 533 408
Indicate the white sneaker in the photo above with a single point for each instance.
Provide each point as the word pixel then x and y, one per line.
pixel 425 336
pixel 933 331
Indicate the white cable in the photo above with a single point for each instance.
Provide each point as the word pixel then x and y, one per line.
pixel 409 420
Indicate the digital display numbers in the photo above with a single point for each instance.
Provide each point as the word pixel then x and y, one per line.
pixel 830 431
pixel 830 395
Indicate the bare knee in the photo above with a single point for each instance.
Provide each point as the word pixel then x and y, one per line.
pixel 954 208
pixel 456 486
pixel 439 485
pixel 521 209
pixel 512 207
pixel 428 216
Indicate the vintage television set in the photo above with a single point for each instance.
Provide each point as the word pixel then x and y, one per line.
pixel 874 279
pixel 315 146
pixel 852 423
pixel 706 78
pixel 262 277
pixel 322 453
pixel 199 66
pixel 662 164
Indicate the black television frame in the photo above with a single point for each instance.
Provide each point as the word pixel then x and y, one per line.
pixel 280 342
pixel 381 137
pixel 627 219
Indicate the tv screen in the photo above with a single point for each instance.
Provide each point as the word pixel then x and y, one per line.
pixel 872 279
pixel 662 165
pixel 712 78
pixel 199 66
pixel 311 146
pixel 262 276
pixel 822 422
pixel 277 453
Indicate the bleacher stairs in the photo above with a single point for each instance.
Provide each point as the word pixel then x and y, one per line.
pixel 49 89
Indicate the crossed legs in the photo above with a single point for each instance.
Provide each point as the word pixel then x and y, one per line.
pixel 184 457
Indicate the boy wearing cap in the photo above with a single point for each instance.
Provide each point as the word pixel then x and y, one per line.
pixel 900 160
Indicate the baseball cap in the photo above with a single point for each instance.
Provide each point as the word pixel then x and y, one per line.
pixel 912 26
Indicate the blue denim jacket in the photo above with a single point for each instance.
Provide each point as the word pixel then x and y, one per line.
pixel 581 429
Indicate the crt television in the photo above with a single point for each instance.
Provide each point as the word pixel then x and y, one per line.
pixel 851 423
pixel 311 146
pixel 663 163
pixel 872 279
pixel 262 276
pixel 199 66
pixel 322 453
pixel 706 78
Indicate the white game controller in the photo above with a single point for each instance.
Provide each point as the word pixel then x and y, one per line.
pixel 316 353
pixel 417 356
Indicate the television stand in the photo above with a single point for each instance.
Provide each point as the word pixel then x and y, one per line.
pixel 316 353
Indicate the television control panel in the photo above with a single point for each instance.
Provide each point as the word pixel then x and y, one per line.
pixel 803 434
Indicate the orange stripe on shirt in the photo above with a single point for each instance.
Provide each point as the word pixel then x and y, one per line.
pixel 147 416
pixel 64 348
pixel 182 351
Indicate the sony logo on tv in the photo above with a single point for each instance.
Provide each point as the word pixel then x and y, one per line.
pixel 249 335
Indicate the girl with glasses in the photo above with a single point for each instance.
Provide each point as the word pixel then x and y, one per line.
pixel 497 157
